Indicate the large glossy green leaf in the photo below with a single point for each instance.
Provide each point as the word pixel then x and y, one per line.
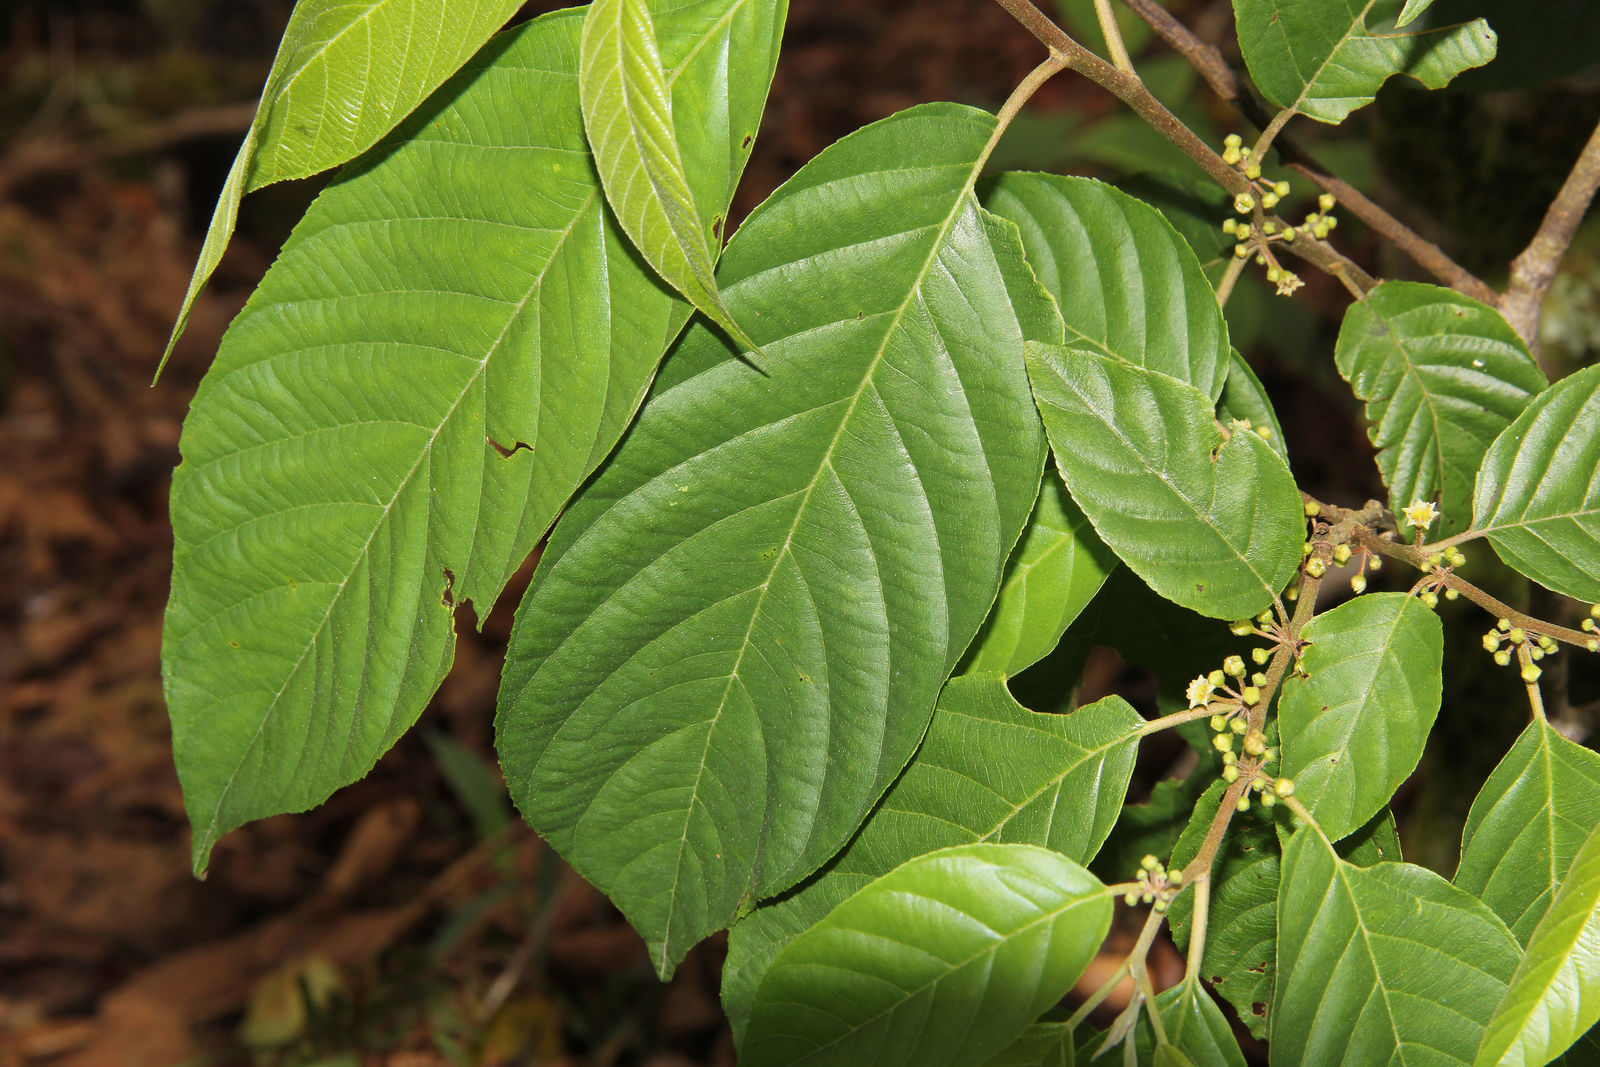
pixel 989 770
pixel 740 628
pixel 945 960
pixel 346 73
pixel 1355 727
pixel 1381 964
pixel 1442 376
pixel 1213 526
pixel 667 140
pixel 1325 58
pixel 1527 823
pixel 1538 491
pixel 1127 284
pixel 1555 995
pixel 1055 570
pixel 1193 1025
pixel 422 379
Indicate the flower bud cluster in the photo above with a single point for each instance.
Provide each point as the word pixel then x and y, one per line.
pixel 1157 885
pixel 1262 196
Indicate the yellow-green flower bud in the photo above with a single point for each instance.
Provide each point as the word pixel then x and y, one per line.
pixel 1503 658
pixel 1491 641
pixel 1230 773
pixel 1222 743
pixel 1281 188
pixel 1430 598
pixel 1233 666
pixel 1341 554
pixel 1238 726
pixel 1216 678
pixel 1284 787
pixel 1241 627
pixel 1530 673
pixel 1325 202
pixel 1243 805
pixel 1218 723
pixel 1516 635
pixel 1251 695
pixel 1260 655
pixel 1315 567
pixel 1358 584
pixel 1253 171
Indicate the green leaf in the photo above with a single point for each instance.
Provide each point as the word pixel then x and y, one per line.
pixel 346 73
pixel 1127 284
pixel 1538 492
pixel 1216 527
pixel 1382 964
pixel 1195 1028
pixel 945 960
pixel 1539 43
pixel 1412 9
pixel 1555 995
pixel 1153 827
pixel 1442 376
pixel 1354 729
pixel 1192 203
pixel 1326 58
pixel 421 380
pixel 1244 397
pixel 739 630
pixel 1044 1044
pixel 1055 570
pixel 1527 823
pixel 989 770
pixel 668 139
pixel 1242 929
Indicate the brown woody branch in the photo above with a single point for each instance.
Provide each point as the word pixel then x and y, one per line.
pixel 1127 87
pixel 1223 80
pixel 1534 269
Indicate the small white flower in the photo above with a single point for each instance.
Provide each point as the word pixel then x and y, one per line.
pixel 1421 513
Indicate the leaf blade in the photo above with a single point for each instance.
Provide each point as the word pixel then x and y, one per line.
pixel 341 487
pixel 1537 496
pixel 1219 535
pixel 1375 961
pixel 1527 823
pixel 988 770
pixel 387 42
pixel 946 959
pixel 1127 283
pixel 1326 58
pixel 1442 375
pixel 1554 996
pixel 629 99
pixel 739 637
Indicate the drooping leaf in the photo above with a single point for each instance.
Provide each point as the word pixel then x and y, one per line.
pixel 1539 43
pixel 739 629
pixel 989 770
pixel 1127 284
pixel 666 141
pixel 1213 526
pixel 1244 398
pixel 945 960
pixel 1354 729
pixel 1055 570
pixel 1555 994
pixel 1527 823
pixel 1194 1026
pixel 346 73
pixel 1326 58
pixel 1382 964
pixel 1538 491
pixel 422 379
pixel 1442 376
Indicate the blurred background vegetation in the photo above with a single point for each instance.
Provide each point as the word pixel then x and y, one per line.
pixel 412 920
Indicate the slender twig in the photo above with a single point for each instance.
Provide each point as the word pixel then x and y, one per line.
pixel 1534 269
pixel 1229 278
pixel 1014 103
pixel 1418 558
pixel 1177 718
pixel 1222 79
pixel 1141 949
pixel 1113 35
pixel 1535 698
